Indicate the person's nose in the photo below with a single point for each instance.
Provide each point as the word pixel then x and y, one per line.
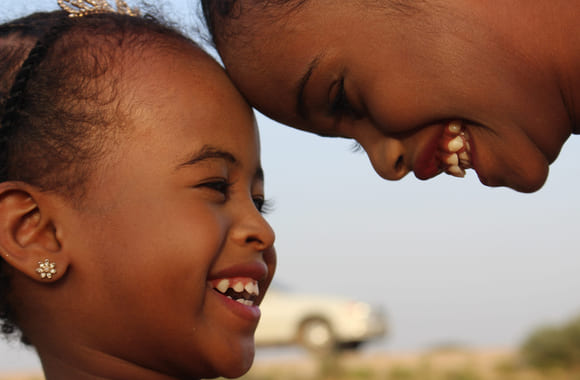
pixel 252 229
pixel 387 157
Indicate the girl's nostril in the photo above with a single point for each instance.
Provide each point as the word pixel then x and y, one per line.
pixel 399 163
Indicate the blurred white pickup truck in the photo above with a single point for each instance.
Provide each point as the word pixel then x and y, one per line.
pixel 318 323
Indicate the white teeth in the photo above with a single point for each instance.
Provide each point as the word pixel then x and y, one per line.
pixel 454 127
pixel 452 159
pixel 455 144
pixel 223 285
pixel 239 287
pixel 456 171
pixel 245 302
pixel 252 288
pixel 465 160
pixel 248 288
pixel 455 155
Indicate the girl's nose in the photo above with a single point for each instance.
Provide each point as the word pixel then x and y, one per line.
pixel 254 230
pixel 387 157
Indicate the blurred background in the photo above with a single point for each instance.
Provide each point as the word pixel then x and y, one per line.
pixel 450 262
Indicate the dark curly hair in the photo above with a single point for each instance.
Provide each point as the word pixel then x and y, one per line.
pixel 57 116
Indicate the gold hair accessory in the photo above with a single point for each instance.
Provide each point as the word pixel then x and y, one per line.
pixel 80 8
pixel 46 269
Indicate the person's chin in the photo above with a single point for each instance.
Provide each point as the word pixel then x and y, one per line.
pixel 240 359
pixel 523 181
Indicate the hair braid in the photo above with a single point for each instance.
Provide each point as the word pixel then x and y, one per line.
pixel 17 92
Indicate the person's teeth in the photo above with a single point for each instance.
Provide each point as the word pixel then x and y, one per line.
pixel 239 287
pixel 454 127
pixel 455 145
pixel 456 171
pixel 223 285
pixel 452 159
pixel 245 302
pixel 252 288
pixel 465 160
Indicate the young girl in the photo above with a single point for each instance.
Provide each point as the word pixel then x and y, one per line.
pixel 424 86
pixel 131 240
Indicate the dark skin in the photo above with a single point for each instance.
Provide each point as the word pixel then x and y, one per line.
pixel 170 208
pixel 509 72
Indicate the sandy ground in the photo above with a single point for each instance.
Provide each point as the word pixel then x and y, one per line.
pixel 481 359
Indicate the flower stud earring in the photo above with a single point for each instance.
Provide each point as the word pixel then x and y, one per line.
pixel 46 269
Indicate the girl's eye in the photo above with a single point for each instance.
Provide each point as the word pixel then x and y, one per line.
pixel 221 186
pixel 340 105
pixel 262 205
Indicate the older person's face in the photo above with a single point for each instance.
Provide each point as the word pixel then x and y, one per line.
pixel 393 80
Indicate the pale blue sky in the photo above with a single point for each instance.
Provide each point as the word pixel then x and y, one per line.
pixel 448 259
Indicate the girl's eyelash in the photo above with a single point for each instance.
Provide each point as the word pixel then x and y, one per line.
pixel 264 206
pixel 221 185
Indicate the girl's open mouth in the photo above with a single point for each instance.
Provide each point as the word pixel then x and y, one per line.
pixel 240 289
pixel 454 151
pixel 449 151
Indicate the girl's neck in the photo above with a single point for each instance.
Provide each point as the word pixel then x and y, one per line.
pixel 87 364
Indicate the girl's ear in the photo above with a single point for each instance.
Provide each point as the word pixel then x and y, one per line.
pixel 28 237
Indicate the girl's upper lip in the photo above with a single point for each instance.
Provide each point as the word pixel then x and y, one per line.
pixel 257 270
pixel 427 164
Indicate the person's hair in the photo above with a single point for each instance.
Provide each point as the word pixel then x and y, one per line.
pixel 59 102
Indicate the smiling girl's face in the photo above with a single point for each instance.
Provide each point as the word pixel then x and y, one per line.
pixel 170 214
pixel 393 78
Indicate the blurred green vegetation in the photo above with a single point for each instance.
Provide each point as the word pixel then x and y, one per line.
pixel 554 347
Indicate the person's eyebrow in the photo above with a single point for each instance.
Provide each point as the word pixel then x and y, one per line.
pixel 301 108
pixel 208 152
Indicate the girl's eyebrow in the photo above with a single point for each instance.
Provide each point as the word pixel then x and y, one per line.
pixel 301 108
pixel 208 152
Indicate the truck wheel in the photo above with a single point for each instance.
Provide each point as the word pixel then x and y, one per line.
pixel 316 335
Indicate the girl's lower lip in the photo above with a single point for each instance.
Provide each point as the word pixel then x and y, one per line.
pixel 427 165
pixel 249 313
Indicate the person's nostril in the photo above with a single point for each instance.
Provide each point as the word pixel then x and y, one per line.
pixel 399 163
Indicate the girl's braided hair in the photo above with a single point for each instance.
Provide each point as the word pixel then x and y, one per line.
pixel 59 102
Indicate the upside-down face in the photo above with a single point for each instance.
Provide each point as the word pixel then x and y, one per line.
pixel 404 83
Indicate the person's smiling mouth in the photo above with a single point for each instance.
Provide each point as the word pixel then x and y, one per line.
pixel 240 289
pixel 455 149
pixel 449 151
